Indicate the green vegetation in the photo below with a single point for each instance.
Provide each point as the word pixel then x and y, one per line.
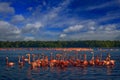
pixel 57 44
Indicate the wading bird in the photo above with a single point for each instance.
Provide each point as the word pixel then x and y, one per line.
pixel 9 63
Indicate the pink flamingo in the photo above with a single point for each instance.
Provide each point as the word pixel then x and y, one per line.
pixel 9 63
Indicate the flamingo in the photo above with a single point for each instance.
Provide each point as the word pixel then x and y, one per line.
pixel 58 57
pixel 85 62
pixel 33 63
pixel 39 61
pixel 28 58
pixel 44 61
pixel 20 63
pixel 92 62
pixel 97 60
pixel 71 61
pixel 101 62
pixel 64 62
pixel 9 63
pixel 52 61
pixel 108 61
pixel 77 61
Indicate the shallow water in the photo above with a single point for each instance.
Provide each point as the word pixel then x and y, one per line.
pixel 69 73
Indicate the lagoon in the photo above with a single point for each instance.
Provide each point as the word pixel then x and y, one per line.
pixel 55 73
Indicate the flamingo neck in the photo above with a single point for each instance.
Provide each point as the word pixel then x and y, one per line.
pixel 29 59
pixel 6 61
pixel 19 60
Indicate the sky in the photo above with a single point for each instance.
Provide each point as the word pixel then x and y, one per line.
pixel 52 20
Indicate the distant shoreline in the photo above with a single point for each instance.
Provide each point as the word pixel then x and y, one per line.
pixel 60 44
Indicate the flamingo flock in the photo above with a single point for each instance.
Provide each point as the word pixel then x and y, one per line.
pixel 61 60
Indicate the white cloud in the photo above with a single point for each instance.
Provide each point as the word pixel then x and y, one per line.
pixel 108 27
pixel 73 28
pixel 9 31
pixel 29 38
pixel 32 27
pixel 91 30
pixel 13 33
pixel 10 28
pixel 62 35
pixel 82 27
pixel 101 35
pixel 17 18
pixel 87 25
pixel 5 8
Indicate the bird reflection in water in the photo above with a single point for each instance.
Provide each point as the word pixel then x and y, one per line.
pixel 29 75
pixel 84 71
pixel 57 69
pixel 109 69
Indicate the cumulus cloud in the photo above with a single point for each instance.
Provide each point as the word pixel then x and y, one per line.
pixel 5 8
pixel 96 35
pixel 13 33
pixel 62 35
pixel 73 28
pixel 9 31
pixel 90 30
pixel 17 18
pixel 108 27
pixel 32 27
pixel 88 25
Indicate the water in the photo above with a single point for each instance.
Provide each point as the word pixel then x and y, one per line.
pixel 68 73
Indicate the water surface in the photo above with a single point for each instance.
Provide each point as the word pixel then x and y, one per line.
pixel 69 73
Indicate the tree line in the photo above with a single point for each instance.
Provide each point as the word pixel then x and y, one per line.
pixel 59 44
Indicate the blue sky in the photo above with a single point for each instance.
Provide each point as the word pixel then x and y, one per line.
pixel 49 20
